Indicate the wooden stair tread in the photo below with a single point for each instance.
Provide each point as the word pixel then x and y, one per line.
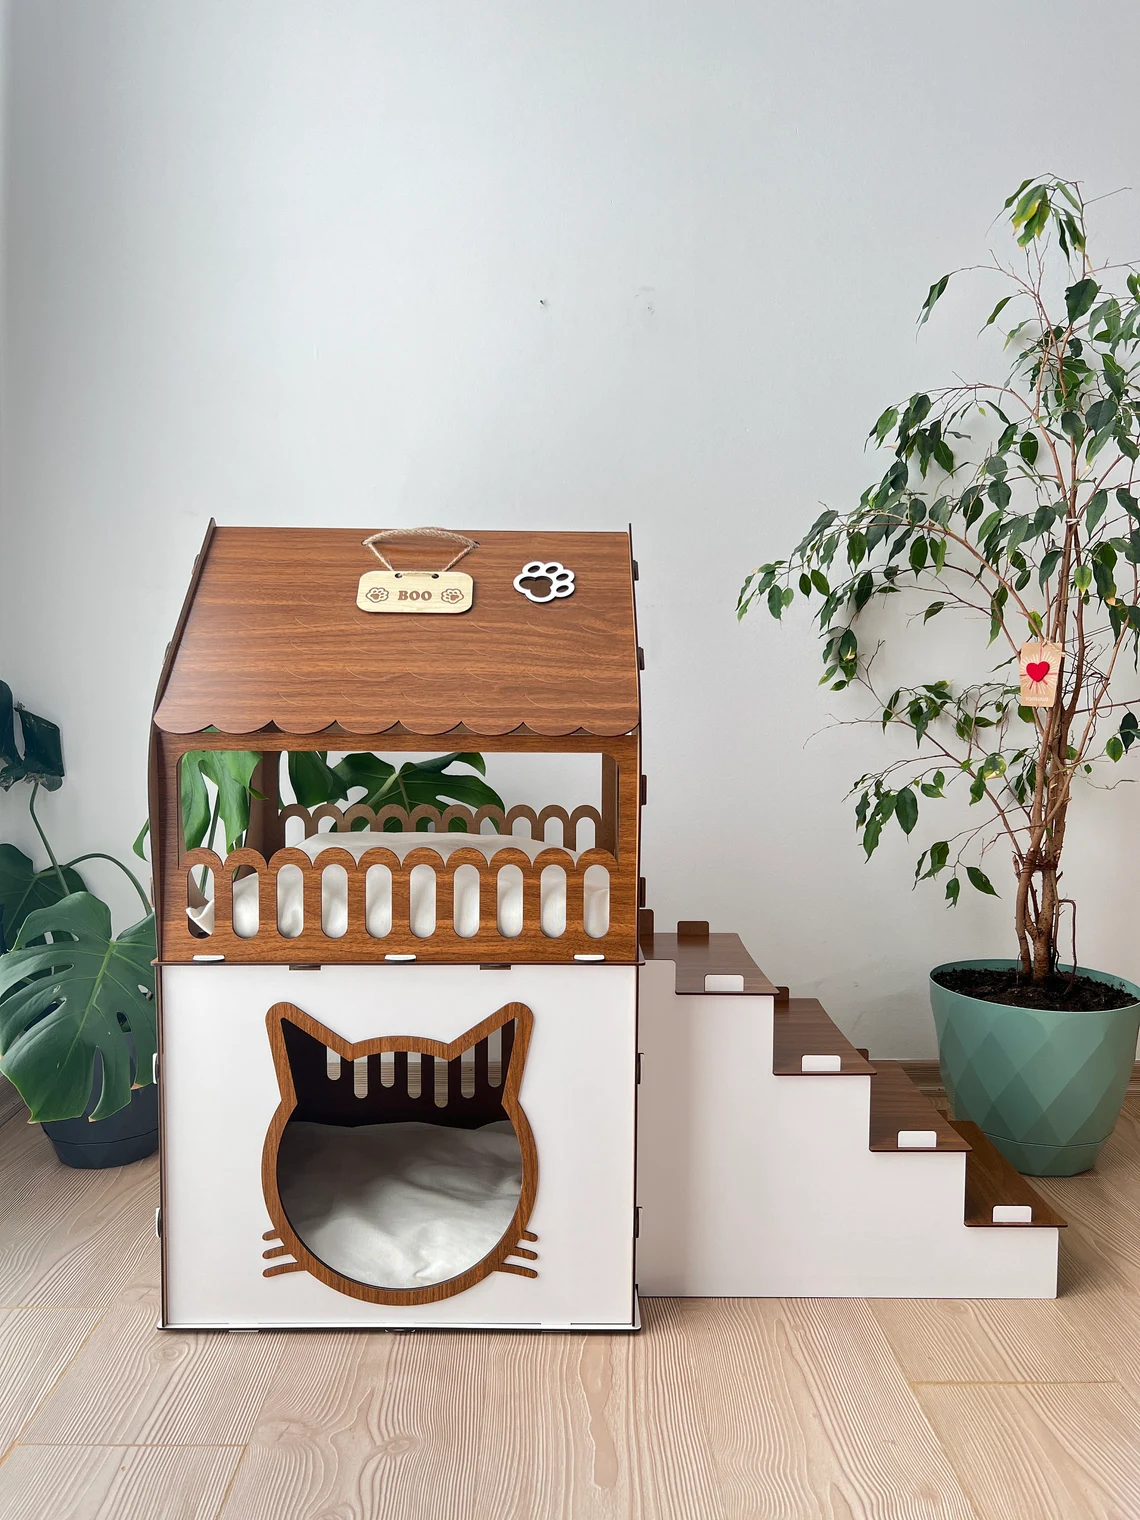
pixel 802 1027
pixel 698 954
pixel 991 1179
pixel 897 1104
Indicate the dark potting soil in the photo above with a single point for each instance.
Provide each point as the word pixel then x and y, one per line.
pixel 1058 993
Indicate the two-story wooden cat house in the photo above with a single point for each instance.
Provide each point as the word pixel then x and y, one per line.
pixel 398 1068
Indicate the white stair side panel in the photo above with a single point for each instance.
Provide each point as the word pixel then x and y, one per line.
pixel 220 1091
pixel 755 1185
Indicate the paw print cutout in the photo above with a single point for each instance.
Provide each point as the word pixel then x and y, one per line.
pixel 451 595
pixel 376 594
pixel 550 580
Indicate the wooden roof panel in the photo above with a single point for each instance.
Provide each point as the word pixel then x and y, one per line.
pixel 273 635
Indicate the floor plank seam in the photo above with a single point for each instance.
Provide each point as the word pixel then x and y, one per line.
pixel 1107 1382
pixel 225 1499
pixel 62 1373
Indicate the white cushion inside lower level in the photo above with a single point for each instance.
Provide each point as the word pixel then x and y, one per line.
pixel 399 1205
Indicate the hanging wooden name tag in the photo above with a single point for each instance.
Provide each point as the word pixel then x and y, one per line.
pixel 1040 666
pixel 415 591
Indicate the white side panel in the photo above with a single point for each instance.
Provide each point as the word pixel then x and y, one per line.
pixel 220 1092
pixel 756 1185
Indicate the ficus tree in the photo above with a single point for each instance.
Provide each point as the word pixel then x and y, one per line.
pixel 1011 503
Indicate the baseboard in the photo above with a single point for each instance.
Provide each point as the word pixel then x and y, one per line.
pixel 928 1079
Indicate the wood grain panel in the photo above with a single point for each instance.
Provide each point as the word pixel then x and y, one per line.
pixel 991 1341
pixel 809 1417
pixel 991 1180
pixel 274 636
pixel 68 1236
pixel 699 956
pixel 134 1385
pixel 1055 1451
pixel 35 1347
pixel 802 1027
pixel 11 1104
pixel 117 1482
pixel 519 1427
pixel 897 1104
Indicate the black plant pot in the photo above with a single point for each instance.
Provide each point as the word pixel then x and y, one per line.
pixel 129 1135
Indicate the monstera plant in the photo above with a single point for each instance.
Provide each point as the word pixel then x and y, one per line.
pixel 314 782
pixel 1012 505
pixel 74 998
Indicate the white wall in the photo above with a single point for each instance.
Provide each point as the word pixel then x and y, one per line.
pixel 509 265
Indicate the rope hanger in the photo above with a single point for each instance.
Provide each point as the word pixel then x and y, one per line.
pixel 458 538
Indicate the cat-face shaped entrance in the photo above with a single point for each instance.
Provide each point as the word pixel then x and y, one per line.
pixel 358 1130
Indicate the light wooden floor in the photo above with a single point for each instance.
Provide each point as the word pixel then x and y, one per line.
pixel 739 1409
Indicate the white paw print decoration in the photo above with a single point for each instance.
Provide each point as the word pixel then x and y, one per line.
pixel 559 580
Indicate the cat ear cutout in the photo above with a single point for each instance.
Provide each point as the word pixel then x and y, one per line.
pixel 471 1083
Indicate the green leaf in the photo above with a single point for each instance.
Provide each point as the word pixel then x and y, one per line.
pixel 1049 563
pixel 312 778
pixel 1027 446
pixel 906 809
pixel 776 601
pixel 1095 510
pixel 918 554
pixel 884 425
pixel 25 890
pixel 1114 749
pixel 819 581
pixel 42 759
pixel 1073 426
pixel 871 834
pixel 996 313
pixel 195 800
pixel 231 771
pixel 62 1002
pixel 980 880
pixel 953 887
pixel 939 855
pixel 933 295
pixel 417 782
pixel 1079 298
pixel 1129 730
pixel 932 611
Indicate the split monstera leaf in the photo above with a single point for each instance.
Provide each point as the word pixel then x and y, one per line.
pixel 69 990
pixel 64 1001
pixel 314 782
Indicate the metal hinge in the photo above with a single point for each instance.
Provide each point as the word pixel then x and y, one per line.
pixel 637 1068
pixel 636 1223
pixel 158 1223
pixel 640 658
pixel 644 791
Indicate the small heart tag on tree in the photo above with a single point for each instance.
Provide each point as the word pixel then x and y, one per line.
pixel 1040 667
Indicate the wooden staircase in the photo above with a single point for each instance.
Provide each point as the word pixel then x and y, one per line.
pixel 803 1033
pixel 751 1181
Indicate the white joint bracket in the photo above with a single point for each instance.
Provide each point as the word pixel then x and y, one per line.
pixel 399 957
pixel 1013 1213
pixel 714 983
pixel 918 1139
pixel 812 1064
pixel 154 1068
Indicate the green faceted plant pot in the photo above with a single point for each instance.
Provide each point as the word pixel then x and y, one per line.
pixel 1044 1086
